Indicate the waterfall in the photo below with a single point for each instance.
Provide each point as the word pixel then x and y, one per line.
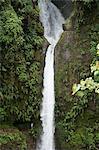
pixel 52 21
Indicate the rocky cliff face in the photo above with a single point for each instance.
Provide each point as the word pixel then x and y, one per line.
pixel 72 61
pixel 65 6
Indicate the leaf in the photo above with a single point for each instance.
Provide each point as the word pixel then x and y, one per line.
pixel 80 93
pixel 96 73
pixel 97 91
pixel 97 65
pixel 83 84
pixel 98 46
pixel 93 68
pixel 98 52
pixel 75 88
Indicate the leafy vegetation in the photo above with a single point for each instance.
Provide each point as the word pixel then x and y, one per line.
pixel 91 83
pixel 13 138
pixel 20 39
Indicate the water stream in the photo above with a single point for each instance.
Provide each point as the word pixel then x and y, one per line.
pixel 52 21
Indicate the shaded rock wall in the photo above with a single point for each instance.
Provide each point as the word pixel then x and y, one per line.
pixel 65 6
pixel 72 63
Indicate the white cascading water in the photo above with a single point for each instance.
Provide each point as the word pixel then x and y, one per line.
pixel 52 21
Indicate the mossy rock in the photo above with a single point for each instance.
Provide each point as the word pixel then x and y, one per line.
pixel 72 63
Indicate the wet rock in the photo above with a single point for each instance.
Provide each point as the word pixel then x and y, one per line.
pixel 65 7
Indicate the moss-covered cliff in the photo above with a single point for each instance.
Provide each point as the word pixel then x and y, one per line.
pixel 76 118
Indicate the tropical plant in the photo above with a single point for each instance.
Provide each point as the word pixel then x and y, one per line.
pixel 91 83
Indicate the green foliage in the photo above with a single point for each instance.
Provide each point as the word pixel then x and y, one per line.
pixel 93 48
pixel 11 29
pixel 97 137
pixel 85 12
pixel 83 138
pixel 35 132
pixel 20 39
pixel 2 114
pixel 13 138
pixel 88 2
pixel 91 83
pixel 85 91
